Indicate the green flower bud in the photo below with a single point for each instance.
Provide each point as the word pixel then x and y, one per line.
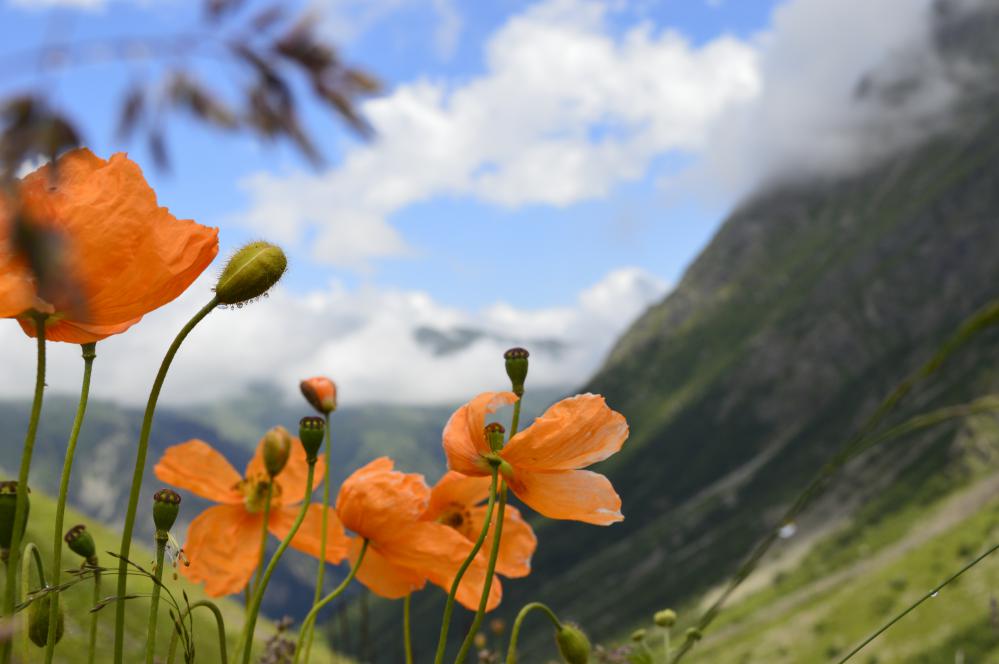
pixel 81 542
pixel 311 431
pixel 694 634
pixel 8 503
pixel 665 618
pixel 516 368
pixel 250 273
pixel 38 621
pixel 638 635
pixel 494 436
pixel 166 507
pixel 277 449
pixel 573 644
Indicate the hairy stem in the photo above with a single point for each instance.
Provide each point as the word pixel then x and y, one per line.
pixel 154 601
pixel 219 626
pixel 94 617
pixel 511 653
pixel 321 569
pixel 263 542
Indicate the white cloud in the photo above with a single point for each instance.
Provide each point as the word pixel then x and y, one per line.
pixel 363 338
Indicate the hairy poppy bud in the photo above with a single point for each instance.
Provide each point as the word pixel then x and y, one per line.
pixel 277 449
pixel 694 634
pixel 320 392
pixel 311 431
pixel 38 621
pixel 573 644
pixel 494 436
pixel 665 618
pixel 81 542
pixel 516 368
pixel 250 273
pixel 8 503
pixel 638 635
pixel 166 506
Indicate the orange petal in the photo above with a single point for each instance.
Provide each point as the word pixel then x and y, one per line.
pixel 60 329
pixel 517 543
pixel 464 440
pixel 376 500
pixel 17 284
pixel 199 468
pixel 291 479
pixel 381 576
pixel 455 489
pixel 223 545
pixel 578 495
pixel 574 433
pixel 309 536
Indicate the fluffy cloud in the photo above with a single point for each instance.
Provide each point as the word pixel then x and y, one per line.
pixel 381 345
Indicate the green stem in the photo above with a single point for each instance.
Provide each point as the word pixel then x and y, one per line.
pixel 219 625
pixel 480 614
pixel 666 644
pixel 515 422
pixel 511 653
pixel 263 542
pixel 140 467
pixel 407 640
pixel 154 601
pixel 311 617
pixel 21 501
pixel 89 353
pixel 94 617
pixel 321 570
pixel 36 558
pixel 246 642
pixel 449 606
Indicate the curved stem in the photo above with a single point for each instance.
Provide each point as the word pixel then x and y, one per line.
pixel 94 616
pixel 140 467
pixel 511 653
pixel 219 625
pixel 21 504
pixel 246 642
pixel 89 353
pixel 263 542
pixel 407 640
pixel 154 601
pixel 449 606
pixel 311 617
pixel 490 571
pixel 321 570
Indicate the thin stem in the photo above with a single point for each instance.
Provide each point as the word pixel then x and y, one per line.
pixel 21 501
pixel 407 640
pixel 666 644
pixel 94 617
pixel 219 625
pixel 140 467
pixel 449 606
pixel 89 353
pixel 321 570
pixel 246 641
pixel 511 653
pixel 154 601
pixel 263 542
pixel 311 617
pixel 515 422
pixel 480 614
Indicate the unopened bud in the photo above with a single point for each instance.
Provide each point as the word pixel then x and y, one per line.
pixel 573 644
pixel 250 273
pixel 81 542
pixel 277 449
pixel 638 635
pixel 8 505
pixel 38 621
pixel 494 436
pixel 320 392
pixel 166 507
pixel 516 368
pixel 665 618
pixel 694 634
pixel 311 430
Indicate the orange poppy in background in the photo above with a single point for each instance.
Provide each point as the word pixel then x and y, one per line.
pixel 384 506
pixel 223 542
pixel 320 392
pixel 542 464
pixel 455 501
pixel 110 253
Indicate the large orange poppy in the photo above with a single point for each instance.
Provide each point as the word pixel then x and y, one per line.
pixel 542 464
pixel 384 506
pixel 223 542
pixel 455 501
pixel 114 253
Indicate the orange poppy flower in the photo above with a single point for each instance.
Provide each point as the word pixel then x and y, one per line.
pixel 542 463
pixel 455 501
pixel 117 254
pixel 223 542
pixel 320 392
pixel 384 506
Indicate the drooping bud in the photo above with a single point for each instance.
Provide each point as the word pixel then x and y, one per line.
pixel 166 507
pixel 665 618
pixel 516 369
pixel 250 273
pixel 573 644
pixel 638 635
pixel 694 634
pixel 81 542
pixel 8 505
pixel 320 392
pixel 311 431
pixel 277 449
pixel 38 621
pixel 494 436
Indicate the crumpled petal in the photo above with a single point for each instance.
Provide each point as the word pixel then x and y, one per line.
pixel 223 546
pixel 464 439
pixel 199 468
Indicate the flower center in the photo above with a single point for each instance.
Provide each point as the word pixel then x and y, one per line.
pixel 458 517
pixel 254 490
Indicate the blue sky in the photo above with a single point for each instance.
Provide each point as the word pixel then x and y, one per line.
pixel 540 168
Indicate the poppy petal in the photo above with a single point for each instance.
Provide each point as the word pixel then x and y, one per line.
pixel 381 576
pixel 223 546
pixel 309 535
pixel 199 468
pixel 464 440
pixel 291 479
pixel 456 489
pixel 577 495
pixel 376 501
pixel 517 544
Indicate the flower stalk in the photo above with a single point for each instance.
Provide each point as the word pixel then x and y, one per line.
pixel 323 533
pixel 511 653
pixel 263 542
pixel 154 601
pixel 407 640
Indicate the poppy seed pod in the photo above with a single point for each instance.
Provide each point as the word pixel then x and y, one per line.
pixel 494 436
pixel 311 431
pixel 665 618
pixel 277 449
pixel 250 273
pixel 8 503
pixel 38 621
pixel 516 368
pixel 81 542
pixel 573 644
pixel 320 392
pixel 166 506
